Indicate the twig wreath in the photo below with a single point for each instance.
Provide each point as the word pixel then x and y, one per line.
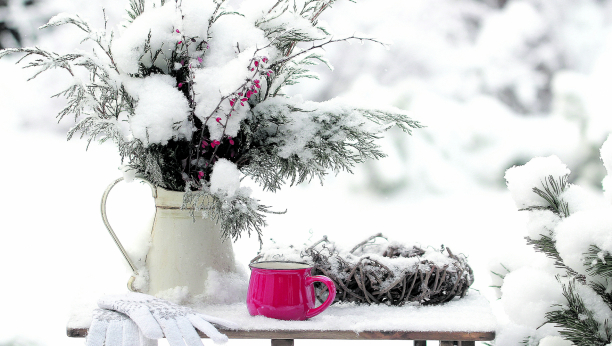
pixel 388 273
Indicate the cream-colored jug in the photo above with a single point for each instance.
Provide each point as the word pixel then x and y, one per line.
pixel 183 247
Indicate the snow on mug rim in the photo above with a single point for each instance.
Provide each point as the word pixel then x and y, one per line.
pixel 279 265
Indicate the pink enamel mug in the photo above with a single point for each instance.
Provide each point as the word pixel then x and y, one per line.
pixel 285 291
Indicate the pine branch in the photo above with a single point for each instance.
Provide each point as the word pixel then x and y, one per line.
pixel 598 262
pixel 603 291
pixel 577 322
pixel 552 194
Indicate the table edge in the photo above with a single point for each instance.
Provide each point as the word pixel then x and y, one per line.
pixel 337 334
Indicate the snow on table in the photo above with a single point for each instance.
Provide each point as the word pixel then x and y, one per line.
pixel 471 314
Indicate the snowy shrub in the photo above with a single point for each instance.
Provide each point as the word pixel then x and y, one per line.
pixel 192 93
pixel 570 302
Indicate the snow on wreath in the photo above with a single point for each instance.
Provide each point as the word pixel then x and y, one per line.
pixel 191 92
pixel 384 272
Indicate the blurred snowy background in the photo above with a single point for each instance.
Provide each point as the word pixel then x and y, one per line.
pixel 496 82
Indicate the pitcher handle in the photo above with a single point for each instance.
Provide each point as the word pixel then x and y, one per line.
pixel 112 233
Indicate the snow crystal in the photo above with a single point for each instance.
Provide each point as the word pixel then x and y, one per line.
pixel 471 313
pixel 212 83
pixel 129 48
pixel 289 20
pixel 217 287
pixel 128 173
pixel 606 157
pixel 579 198
pixel 578 232
pixel 595 303
pixel 141 280
pixel 554 341
pixel 522 179
pixel 230 36
pixel 195 20
pixel 606 154
pixel 541 222
pixel 225 178
pixel 528 293
pixel 301 129
pixel 162 111
pixel 177 295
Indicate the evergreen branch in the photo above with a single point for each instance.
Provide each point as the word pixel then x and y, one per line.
pixel 552 194
pixel 321 45
pixel 235 215
pixel 64 18
pixel 341 138
pixel 547 245
pixel 598 262
pixel 577 322
pixel 603 291
pixel 137 7
pixel 48 60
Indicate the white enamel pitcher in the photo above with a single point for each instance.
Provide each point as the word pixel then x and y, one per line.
pixel 183 248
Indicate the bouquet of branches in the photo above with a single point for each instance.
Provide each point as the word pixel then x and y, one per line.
pixel 191 92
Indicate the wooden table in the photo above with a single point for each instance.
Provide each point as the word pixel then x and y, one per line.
pixel 460 322
pixel 287 337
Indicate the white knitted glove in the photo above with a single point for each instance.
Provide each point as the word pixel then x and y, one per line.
pixel 157 317
pixel 112 328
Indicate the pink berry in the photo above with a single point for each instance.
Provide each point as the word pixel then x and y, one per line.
pixel 218 119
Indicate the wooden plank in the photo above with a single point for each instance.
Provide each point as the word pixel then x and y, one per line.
pixel 420 342
pixel 282 342
pixel 446 343
pixel 467 343
pixel 342 335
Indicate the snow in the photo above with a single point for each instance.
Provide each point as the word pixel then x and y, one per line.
pixel 225 178
pixel 576 233
pixel 554 341
pixel 162 110
pixel 471 314
pixel 595 303
pixel 541 222
pixel 606 157
pixel 129 47
pixel 439 186
pixel 528 293
pixel 522 179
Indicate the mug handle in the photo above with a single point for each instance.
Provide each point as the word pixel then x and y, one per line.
pixel 112 233
pixel 331 287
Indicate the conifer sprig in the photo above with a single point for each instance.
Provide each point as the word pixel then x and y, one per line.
pixel 551 193
pixel 577 322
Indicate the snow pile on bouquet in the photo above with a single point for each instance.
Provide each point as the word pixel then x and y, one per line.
pixel 193 95
pixel 387 272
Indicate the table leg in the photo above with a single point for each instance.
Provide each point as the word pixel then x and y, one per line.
pixel 282 342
